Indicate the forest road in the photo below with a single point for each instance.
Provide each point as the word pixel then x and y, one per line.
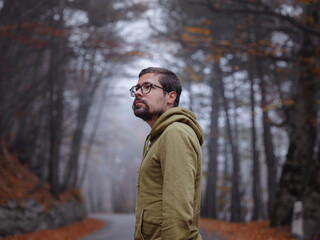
pixel 121 227
pixel 118 227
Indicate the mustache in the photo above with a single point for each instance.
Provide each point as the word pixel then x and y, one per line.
pixel 140 100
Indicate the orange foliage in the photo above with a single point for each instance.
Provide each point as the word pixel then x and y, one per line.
pixel 71 232
pixel 187 38
pixel 198 30
pixel 284 102
pixel 239 26
pixel 136 53
pixel 36 27
pixel 26 40
pixel 192 35
pixel 29 33
pixel 258 230
pixel 18 183
pixel 307 2
pixel 236 68
pixel 194 76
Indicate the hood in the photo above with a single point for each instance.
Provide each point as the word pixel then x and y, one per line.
pixel 176 114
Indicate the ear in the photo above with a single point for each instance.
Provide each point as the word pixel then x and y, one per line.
pixel 171 97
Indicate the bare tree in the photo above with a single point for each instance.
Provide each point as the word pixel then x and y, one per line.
pixel 235 179
pixel 210 204
pixel 268 142
pixel 256 187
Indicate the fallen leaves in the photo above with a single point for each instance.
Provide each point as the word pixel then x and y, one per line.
pixel 257 230
pixel 71 232
pixel 19 183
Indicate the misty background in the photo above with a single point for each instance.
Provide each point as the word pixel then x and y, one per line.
pixel 249 69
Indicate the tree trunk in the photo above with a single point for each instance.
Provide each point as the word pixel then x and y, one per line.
pixel 302 135
pixel 55 126
pixel 268 146
pixel 210 208
pixel 256 186
pixel 56 83
pixel 225 192
pixel 189 88
pixel 311 200
pixel 235 191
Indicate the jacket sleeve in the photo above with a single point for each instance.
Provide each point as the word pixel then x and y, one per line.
pixel 179 168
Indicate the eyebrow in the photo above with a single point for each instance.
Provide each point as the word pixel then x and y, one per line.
pixel 144 83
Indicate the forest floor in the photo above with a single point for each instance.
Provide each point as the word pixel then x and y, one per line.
pixel 227 231
pixel 72 232
pixel 257 230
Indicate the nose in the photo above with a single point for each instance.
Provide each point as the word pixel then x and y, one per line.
pixel 138 93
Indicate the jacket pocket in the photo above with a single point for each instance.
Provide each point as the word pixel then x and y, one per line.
pixel 141 225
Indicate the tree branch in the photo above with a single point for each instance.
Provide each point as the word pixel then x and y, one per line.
pixel 264 12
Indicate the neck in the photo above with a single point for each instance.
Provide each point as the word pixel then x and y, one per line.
pixel 152 122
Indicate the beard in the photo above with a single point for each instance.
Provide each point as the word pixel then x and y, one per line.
pixel 143 112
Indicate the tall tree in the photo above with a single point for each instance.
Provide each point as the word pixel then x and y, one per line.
pixel 268 141
pixel 302 129
pixel 210 203
pixel 56 84
pixel 235 179
pixel 256 188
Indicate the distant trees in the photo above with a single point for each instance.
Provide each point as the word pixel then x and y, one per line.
pixel 54 57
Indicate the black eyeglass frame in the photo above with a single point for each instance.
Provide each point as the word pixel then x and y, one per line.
pixel 137 87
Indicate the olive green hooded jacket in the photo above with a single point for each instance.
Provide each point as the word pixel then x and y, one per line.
pixel 169 180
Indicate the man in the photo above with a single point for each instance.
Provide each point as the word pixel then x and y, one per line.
pixel 169 180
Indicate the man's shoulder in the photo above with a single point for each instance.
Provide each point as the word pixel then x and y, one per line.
pixel 178 128
pixel 179 134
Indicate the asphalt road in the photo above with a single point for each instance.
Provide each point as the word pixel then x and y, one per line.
pixel 118 227
pixel 121 227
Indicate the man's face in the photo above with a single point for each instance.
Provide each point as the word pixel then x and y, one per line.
pixel 149 106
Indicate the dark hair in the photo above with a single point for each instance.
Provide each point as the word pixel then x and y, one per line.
pixel 167 79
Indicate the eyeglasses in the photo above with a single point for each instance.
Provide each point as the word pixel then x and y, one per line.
pixel 145 88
